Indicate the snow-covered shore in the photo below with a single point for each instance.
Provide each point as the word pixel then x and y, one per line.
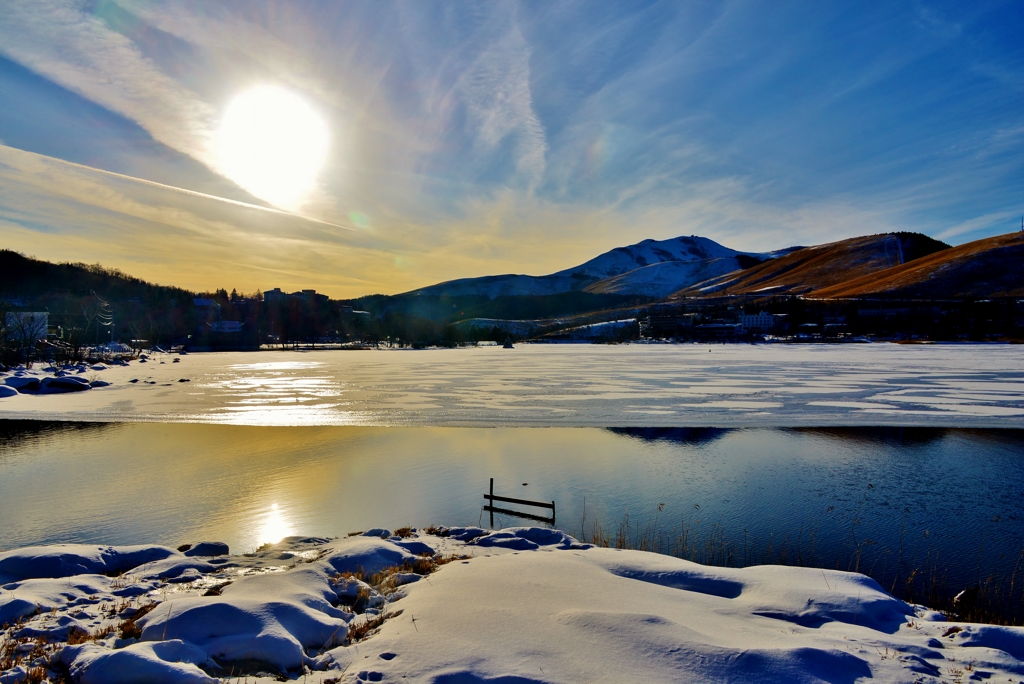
pixel 521 605
pixel 51 379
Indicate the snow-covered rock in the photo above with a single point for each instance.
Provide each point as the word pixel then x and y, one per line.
pixel 65 384
pixel 170 661
pixel 208 549
pixel 174 567
pixel 28 597
pixel 368 555
pixel 526 538
pixel 68 560
pixel 23 383
pixel 377 532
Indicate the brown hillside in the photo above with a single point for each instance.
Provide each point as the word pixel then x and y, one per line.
pixel 813 268
pixel 993 267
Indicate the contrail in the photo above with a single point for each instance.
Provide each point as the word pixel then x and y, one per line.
pixel 185 191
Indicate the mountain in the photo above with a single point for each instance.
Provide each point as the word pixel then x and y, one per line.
pixel 662 279
pixel 624 259
pixel 678 262
pixel 809 269
pixel 984 268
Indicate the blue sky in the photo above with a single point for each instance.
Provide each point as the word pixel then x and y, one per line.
pixel 479 138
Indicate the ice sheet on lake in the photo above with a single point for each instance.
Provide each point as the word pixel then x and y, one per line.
pixel 567 385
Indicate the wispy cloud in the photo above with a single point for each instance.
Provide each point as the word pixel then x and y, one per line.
pixel 496 91
pixel 58 39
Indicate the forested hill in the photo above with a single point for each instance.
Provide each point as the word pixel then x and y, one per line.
pixel 29 279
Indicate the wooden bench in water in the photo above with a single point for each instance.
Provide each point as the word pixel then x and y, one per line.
pixel 492 498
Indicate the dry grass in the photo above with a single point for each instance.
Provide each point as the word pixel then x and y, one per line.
pixel 814 268
pixel 384 581
pixel 216 589
pixel 80 636
pixel 36 675
pixel 951 273
pixel 128 629
pixel 258 550
pixel 369 627
pixel 26 650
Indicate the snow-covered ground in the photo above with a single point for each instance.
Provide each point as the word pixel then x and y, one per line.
pixel 522 605
pixel 569 385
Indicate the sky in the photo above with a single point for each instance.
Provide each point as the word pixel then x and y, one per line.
pixel 438 140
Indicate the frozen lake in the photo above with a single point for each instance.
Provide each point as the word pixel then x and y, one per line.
pixel 565 385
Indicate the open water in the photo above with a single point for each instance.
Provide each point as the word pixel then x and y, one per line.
pixel 897 498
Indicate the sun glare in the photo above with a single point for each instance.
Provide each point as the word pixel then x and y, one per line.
pixel 274 527
pixel 272 144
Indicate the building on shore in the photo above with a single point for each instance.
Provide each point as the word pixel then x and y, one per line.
pixel 762 322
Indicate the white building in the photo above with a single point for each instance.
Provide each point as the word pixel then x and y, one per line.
pixel 762 321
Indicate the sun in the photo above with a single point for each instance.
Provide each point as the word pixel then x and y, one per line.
pixel 273 144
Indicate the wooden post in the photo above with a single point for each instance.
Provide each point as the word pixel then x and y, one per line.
pixel 492 503
pixel 552 513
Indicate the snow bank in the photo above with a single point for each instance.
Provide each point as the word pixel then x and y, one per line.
pixel 142 663
pixel 523 604
pixel 63 380
pixel 67 560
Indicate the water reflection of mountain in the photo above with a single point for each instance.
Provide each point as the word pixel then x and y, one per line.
pixel 907 436
pixel 17 433
pixel 678 435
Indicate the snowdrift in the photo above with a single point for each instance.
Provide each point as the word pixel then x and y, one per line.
pixel 525 605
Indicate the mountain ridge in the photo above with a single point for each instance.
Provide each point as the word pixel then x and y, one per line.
pixel 808 269
pixel 613 264
pixel 989 267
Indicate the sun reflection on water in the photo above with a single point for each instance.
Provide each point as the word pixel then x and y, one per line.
pixel 274 526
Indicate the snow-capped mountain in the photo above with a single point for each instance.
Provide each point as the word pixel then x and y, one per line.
pixel 652 267
pixel 662 279
pixel 648 252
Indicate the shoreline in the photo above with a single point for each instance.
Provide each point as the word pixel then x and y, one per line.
pixel 466 604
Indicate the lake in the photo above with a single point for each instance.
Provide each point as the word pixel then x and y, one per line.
pixel 951 495
pixel 883 458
